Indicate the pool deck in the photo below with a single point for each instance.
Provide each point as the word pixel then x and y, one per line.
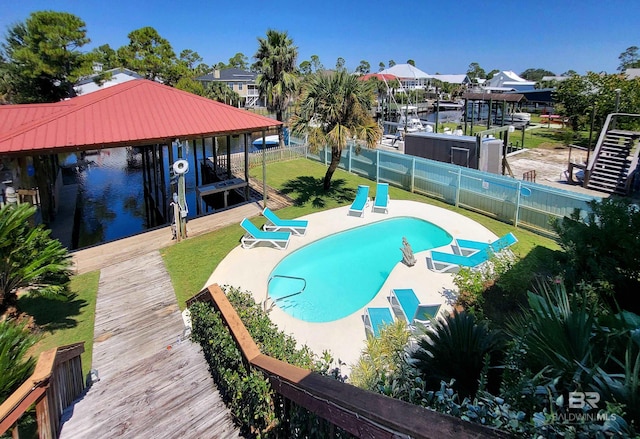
pixel 249 269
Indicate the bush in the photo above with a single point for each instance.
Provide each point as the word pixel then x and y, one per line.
pixel 16 365
pixel 247 393
pixel 459 348
pixel 473 282
pixel 603 250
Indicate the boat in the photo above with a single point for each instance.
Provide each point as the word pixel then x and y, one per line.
pixel 269 142
pixel 520 117
pixel 408 121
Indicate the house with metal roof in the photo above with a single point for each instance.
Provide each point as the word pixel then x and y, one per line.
pixel 140 114
pixel 105 79
pixel 508 80
pixel 410 77
pixel 453 79
pixel 238 80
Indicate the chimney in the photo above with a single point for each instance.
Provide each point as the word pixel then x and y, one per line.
pixel 216 73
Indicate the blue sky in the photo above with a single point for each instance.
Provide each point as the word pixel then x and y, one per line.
pixel 442 37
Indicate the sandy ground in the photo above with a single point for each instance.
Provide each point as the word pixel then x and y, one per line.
pixel 550 165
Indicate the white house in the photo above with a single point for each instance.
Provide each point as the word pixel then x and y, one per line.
pixel 117 76
pixel 453 79
pixel 238 80
pixel 410 77
pixel 508 80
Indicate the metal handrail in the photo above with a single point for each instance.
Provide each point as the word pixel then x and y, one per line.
pixel 287 277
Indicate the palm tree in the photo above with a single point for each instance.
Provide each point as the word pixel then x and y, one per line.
pixel 334 108
pixel 29 258
pixel 457 348
pixel 276 61
pixel 221 92
pixel 16 364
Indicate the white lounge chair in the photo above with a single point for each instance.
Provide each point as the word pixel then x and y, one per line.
pixel 361 201
pixel 376 318
pixel 381 201
pixel 254 236
pixel 406 302
pixel 275 224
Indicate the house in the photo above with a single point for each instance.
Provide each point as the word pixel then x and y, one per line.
pixel 632 73
pixel 453 79
pixel 410 77
pixel 114 77
pixel 508 80
pixel 240 81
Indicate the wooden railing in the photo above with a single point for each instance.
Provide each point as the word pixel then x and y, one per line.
pixel 357 411
pixel 56 382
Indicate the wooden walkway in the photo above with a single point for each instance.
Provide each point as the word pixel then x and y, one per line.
pixel 152 383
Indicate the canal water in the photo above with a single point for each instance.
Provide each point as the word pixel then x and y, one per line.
pixel 111 203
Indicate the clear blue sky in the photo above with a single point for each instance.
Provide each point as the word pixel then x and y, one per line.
pixel 442 37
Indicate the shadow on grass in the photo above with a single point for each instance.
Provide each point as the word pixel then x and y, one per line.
pixel 50 314
pixel 305 189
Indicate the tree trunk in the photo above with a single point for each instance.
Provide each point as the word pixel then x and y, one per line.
pixel 336 154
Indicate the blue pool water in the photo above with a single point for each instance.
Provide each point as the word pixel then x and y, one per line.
pixel 343 272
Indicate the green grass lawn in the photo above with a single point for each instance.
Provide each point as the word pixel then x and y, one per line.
pixel 66 322
pixel 191 262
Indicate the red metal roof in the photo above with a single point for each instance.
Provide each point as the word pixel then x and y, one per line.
pixel 134 112
pixel 380 76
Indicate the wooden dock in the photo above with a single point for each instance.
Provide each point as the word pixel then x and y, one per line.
pixel 152 383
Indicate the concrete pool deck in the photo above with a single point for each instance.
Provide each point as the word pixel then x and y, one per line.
pixel 249 269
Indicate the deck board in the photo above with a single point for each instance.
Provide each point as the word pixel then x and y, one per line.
pixel 152 383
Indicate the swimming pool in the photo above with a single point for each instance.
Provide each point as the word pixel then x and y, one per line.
pixel 343 272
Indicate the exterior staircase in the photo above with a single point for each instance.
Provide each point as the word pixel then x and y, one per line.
pixel 615 159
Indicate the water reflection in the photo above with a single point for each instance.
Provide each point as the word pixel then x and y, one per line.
pixel 110 196
pixel 111 202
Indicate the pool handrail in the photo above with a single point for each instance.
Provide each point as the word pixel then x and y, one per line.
pixel 287 277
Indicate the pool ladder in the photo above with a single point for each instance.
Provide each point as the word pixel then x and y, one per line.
pixel 269 303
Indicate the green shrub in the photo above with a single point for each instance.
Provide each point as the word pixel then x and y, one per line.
pixel 603 250
pixel 473 282
pixel 256 407
pixel 16 366
pixel 458 347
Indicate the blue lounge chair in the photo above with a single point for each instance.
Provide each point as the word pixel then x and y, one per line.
pixel 361 201
pixel 382 198
pixel 275 224
pixel 376 318
pixel 254 236
pixel 467 247
pixel 443 262
pixel 406 302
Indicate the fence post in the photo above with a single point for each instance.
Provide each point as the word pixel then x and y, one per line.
pixel 349 162
pixel 377 165
pixel 458 184
pixel 515 220
pixel 413 174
